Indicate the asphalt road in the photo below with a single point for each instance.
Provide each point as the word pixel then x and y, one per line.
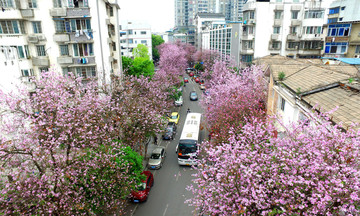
pixel 169 192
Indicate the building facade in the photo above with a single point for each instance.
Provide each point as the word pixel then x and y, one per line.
pixel 134 33
pixel 232 9
pixel 342 30
pixel 288 28
pixel 77 36
pixel 203 21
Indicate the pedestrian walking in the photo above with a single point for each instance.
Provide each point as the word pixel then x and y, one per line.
pixel 155 140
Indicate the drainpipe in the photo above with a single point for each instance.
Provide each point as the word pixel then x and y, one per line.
pixel 101 49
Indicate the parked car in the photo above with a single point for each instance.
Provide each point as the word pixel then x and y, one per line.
pixel 201 82
pixel 202 87
pixel 193 96
pixel 197 79
pixel 174 117
pixel 191 74
pixel 186 80
pixel 142 192
pixel 179 102
pixel 157 158
pixel 170 131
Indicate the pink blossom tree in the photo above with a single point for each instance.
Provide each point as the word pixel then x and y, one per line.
pixel 57 151
pixel 172 59
pixel 310 171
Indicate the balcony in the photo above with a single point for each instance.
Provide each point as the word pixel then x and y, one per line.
pixel 41 61
pixel 250 22
pixel 295 7
pixel 275 37
pixel 28 83
pixel 279 7
pixel 58 12
pixel 295 22
pixel 109 40
pixel 61 37
pixel 65 60
pixel 78 12
pixel 277 22
pixel 33 39
pixel 293 37
pixel 27 13
pixel 81 36
pixel 247 37
pixel 107 21
pixel 247 51
pixel 77 60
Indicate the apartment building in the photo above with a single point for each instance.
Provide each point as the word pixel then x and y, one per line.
pixel 283 27
pixel 342 30
pixel 203 21
pixel 133 33
pixel 231 9
pixel 77 36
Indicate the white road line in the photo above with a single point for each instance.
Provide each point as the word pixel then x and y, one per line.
pixel 177 177
pixel 154 172
pixel 132 213
pixel 167 145
pixel 167 205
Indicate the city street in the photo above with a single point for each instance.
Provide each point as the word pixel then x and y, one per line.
pixel 169 192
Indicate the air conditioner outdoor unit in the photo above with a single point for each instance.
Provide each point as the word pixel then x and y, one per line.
pixel 41 37
pixel 356 56
pixel 251 21
pixel 300 35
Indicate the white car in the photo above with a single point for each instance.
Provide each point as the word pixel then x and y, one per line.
pixel 157 158
pixel 179 102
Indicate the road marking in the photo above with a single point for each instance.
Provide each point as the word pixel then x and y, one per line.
pixel 133 212
pixel 167 205
pixel 167 145
pixel 154 172
pixel 177 177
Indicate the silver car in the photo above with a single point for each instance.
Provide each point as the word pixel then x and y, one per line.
pixel 157 158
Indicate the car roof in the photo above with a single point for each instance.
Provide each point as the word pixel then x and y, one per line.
pixel 174 113
pixel 158 150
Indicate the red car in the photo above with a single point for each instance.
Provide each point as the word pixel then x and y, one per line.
pixel 142 192
pixel 186 80
pixel 191 74
pixel 201 82
pixel 197 79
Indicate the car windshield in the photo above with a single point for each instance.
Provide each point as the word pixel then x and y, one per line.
pixel 193 93
pixel 142 186
pixel 174 117
pixel 155 156
pixel 169 129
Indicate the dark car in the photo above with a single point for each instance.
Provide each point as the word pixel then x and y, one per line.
pixel 142 192
pixel 170 131
pixel 193 96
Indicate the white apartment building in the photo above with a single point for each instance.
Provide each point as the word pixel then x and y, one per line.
pixel 290 28
pixel 224 38
pixel 202 22
pixel 75 36
pixel 133 33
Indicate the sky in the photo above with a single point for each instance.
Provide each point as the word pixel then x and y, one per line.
pixel 157 13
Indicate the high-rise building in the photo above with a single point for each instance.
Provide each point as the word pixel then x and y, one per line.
pixel 232 9
pixel 78 36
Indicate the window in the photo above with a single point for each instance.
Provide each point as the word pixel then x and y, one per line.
pixel 294 14
pixel 40 50
pixel 336 48
pixel 144 41
pixel 248 44
pixel 26 47
pixel 80 24
pixel 6 3
pixel 247 58
pixel 341 30
pixel 342 8
pixel 332 20
pixel 311 45
pixel 314 14
pixel 43 69
pixel 275 45
pixel 340 19
pixel 276 30
pixel 312 30
pixel 334 10
pixel 27 73
pixel 251 30
pixel 21 53
pixel 293 45
pixel 78 3
pixel 357 49
pixel 64 50
pixel 11 27
pixel 65 71
pixel 37 27
pixel 130 32
pixel 131 41
pixel 83 49
pixel 293 30
pixel 32 3
pixel 60 26
pixel 85 72
pixel 143 32
pixel 282 104
pixel 277 15
pixel 57 3
pixel 114 46
pixel 111 10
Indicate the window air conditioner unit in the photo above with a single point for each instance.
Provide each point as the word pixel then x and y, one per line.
pixel 300 35
pixel 41 37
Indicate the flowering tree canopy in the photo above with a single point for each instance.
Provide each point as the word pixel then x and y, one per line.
pixel 57 150
pixel 172 59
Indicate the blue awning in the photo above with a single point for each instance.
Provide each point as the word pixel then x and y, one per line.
pixel 351 61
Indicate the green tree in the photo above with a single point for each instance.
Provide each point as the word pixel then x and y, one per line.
pixel 141 66
pixel 127 63
pixel 141 51
pixel 156 40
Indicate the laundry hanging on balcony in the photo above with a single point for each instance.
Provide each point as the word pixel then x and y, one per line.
pixel 83 61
